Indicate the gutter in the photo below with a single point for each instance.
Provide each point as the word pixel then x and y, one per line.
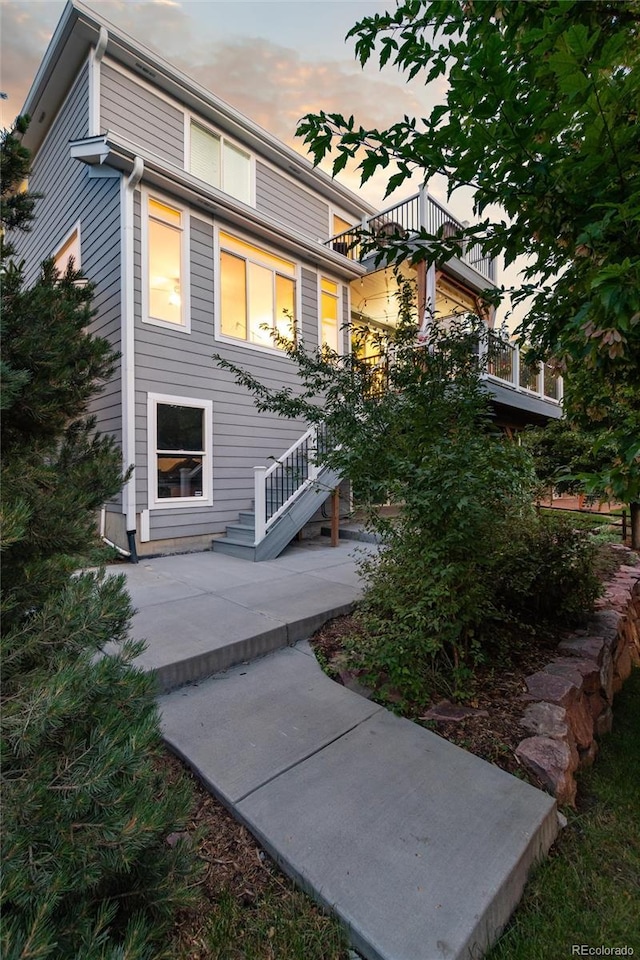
pixel 120 154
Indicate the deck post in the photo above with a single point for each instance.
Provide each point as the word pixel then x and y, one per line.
pixel 335 517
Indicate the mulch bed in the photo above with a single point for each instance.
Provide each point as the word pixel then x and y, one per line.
pixel 234 861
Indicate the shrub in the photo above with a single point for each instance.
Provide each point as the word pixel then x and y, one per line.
pixel 545 572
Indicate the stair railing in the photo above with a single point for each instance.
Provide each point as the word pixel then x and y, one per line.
pixel 278 486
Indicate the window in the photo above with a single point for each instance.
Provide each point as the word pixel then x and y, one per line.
pixel 219 162
pixel 329 314
pixel 165 257
pixel 70 249
pixel 257 293
pixel 179 445
pixel 340 225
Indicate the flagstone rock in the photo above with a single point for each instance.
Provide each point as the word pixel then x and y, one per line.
pixel 584 673
pixel 604 723
pixel 553 763
pixel 585 647
pixel 447 712
pixel 547 720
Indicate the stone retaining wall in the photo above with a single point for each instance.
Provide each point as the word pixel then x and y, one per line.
pixel 569 703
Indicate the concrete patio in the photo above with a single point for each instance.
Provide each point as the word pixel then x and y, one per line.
pixel 421 849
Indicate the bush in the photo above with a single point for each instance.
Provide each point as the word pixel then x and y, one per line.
pixel 545 573
pixel 87 871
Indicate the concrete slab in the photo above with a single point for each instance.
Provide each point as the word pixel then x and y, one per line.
pixel 420 848
pixel 148 585
pixel 242 728
pixel 192 638
pixel 318 555
pixel 210 572
pixel 301 600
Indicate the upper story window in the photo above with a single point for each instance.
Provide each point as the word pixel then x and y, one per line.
pixel 165 258
pixel 219 162
pixel 340 225
pixel 257 293
pixel 329 314
pixel 68 250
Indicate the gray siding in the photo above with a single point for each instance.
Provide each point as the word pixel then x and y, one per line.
pixel 129 109
pixel 182 364
pixel 70 195
pixel 289 204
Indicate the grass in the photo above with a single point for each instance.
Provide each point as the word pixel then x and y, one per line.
pixel 277 927
pixel 588 891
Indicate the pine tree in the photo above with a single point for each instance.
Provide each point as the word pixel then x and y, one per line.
pixel 86 812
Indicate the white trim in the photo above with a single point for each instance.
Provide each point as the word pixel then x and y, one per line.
pixel 58 250
pixel 95 58
pixel 185 260
pixel 189 119
pixel 163 503
pixel 322 275
pixel 275 251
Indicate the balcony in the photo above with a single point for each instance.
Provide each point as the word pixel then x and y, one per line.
pixel 405 219
pixel 526 391
pixel 505 362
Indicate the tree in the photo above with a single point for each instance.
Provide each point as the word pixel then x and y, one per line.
pixel 86 812
pixel 468 556
pixel 541 119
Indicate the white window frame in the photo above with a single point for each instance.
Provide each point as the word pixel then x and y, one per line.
pixel 190 118
pixel 274 251
pixel 169 503
pixel 77 263
pixel 347 217
pixel 185 292
pixel 340 316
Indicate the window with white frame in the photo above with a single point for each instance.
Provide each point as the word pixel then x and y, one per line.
pixel 257 293
pixel 329 314
pixel 68 250
pixel 165 258
pixel 179 450
pixel 220 163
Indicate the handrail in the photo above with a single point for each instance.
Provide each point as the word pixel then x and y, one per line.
pixel 420 210
pixel 278 486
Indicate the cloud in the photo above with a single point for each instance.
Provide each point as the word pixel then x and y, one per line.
pixel 272 83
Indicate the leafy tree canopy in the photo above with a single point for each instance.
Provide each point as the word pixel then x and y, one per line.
pixel 540 118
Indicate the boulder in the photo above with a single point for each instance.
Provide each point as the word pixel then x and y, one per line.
pixel 586 647
pixel 583 673
pixel 553 763
pixel 547 720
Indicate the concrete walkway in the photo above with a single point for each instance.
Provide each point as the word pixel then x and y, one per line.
pixel 421 849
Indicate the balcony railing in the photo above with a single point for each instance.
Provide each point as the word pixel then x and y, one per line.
pixel 503 361
pixel 506 362
pixel 407 218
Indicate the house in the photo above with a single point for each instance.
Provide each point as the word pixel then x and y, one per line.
pixel 199 228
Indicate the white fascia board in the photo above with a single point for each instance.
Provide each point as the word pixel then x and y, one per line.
pixel 196 97
pixel 209 201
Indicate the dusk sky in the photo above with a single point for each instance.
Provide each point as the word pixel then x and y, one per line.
pixel 274 61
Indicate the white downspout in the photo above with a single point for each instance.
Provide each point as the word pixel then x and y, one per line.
pixel 127 347
pixel 95 57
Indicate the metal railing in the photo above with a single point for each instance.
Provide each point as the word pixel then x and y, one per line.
pixel 277 486
pixel 506 362
pixel 420 211
pixel 501 360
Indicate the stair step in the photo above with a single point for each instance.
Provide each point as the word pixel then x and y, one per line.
pixel 234 548
pixel 242 532
pixel 248 518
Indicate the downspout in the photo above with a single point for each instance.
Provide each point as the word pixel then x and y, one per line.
pixel 110 543
pixel 127 349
